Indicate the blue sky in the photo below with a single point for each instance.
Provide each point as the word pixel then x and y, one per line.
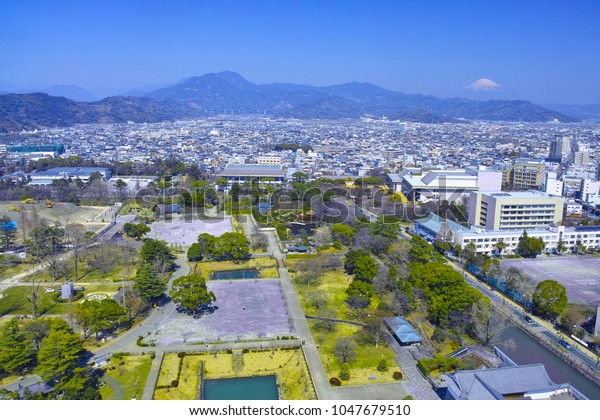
pixel 549 51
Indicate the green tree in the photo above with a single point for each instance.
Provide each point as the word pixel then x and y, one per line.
pixel 136 230
pixel 98 316
pixel 445 290
pixel 232 246
pixel 365 268
pixel 343 233
pixel 500 246
pixel 191 292
pixel 59 355
pixel 158 254
pixel 351 257
pixel 194 252
pixel 421 252
pixel 207 243
pixel 529 247
pixel 16 352
pixel 550 299
pixel 147 283
pixel 361 289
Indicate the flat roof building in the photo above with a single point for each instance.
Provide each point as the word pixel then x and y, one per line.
pixel 499 210
pixel 450 185
pixel 83 173
pixel 243 173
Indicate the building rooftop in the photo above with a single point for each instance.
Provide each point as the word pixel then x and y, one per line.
pixel 517 194
pixel 528 381
pixel 253 170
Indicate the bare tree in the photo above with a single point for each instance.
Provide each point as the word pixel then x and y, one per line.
pixel 323 235
pixel 488 324
pixel 374 330
pixel 76 237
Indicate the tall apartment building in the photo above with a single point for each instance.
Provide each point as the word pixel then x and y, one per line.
pixel 560 149
pixel 581 158
pixel 499 210
pixel 528 174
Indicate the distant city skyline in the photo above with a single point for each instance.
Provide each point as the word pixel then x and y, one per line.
pixel 545 51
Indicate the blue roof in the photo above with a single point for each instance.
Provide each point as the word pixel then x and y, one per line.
pixel 403 330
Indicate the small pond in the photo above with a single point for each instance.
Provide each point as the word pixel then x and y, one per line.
pixel 245 274
pixel 253 388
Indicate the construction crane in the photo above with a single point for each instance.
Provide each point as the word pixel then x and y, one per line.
pixel 48 204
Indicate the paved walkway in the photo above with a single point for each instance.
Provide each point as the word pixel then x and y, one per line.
pixel 152 376
pixel 416 384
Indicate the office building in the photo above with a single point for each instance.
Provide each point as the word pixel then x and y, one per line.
pixel 262 173
pixel 527 174
pixel 499 210
pixel 559 149
pixel 451 185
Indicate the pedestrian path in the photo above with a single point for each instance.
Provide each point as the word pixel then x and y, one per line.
pixel 152 376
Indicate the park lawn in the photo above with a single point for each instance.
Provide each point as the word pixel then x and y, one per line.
pixel 206 267
pixel 332 286
pixel 289 366
pixel 14 300
pixel 269 272
pixel 87 274
pixel 367 355
pixel 10 270
pixel 127 381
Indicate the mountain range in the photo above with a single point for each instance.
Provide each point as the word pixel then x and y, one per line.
pixel 228 92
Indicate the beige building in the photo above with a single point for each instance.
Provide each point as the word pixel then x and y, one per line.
pixel 499 210
pixel 270 160
pixel 528 174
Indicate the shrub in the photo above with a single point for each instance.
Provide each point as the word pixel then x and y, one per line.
pixel 337 245
pixel 122 363
pixel 139 341
pixel 397 375
pixel 245 351
pixel 382 366
pixel 408 397
pixel 174 383
pixel 152 356
pixel 181 354
pixel 229 351
pixel 335 382
pixel 345 373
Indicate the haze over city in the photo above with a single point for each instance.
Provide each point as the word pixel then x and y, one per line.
pixel 545 52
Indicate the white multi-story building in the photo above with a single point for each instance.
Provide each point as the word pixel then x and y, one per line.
pixel 500 210
pixel 486 240
pixel 449 185
pixel 553 185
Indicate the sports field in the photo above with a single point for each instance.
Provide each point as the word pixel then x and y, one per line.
pixel 185 232
pixel 580 274
pixel 244 310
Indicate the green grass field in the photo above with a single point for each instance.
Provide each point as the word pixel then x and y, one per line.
pixel 125 378
pixel 363 370
pixel 265 265
pixel 14 300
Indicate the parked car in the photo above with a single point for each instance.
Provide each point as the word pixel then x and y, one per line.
pixel 49 290
pixel 78 288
